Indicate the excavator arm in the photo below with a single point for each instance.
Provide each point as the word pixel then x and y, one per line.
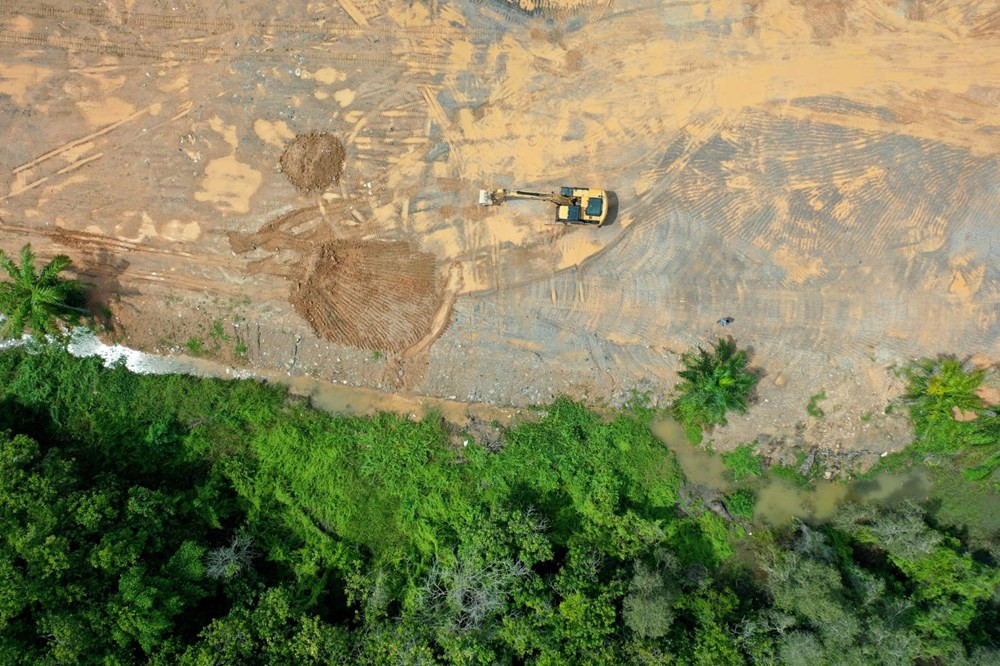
pixel 497 197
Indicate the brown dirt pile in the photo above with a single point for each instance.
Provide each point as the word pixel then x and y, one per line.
pixel 369 294
pixel 555 6
pixel 313 161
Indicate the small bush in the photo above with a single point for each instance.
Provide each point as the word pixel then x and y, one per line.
pixel 195 346
pixel 813 407
pixel 741 503
pixel 743 462
pixel 935 389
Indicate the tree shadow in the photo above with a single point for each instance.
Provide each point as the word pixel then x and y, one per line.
pixel 612 208
pixel 100 276
pixel 753 396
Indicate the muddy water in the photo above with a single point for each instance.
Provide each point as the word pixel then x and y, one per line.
pixel 779 501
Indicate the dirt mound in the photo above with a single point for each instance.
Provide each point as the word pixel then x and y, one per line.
pixel 369 294
pixel 554 6
pixel 313 161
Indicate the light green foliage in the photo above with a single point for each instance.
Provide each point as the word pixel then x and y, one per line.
pixel 935 388
pixel 37 300
pixel 701 540
pixel 648 607
pixel 985 468
pixel 218 334
pixel 713 383
pixel 791 473
pixel 743 462
pixel 714 647
pixel 813 408
pixel 383 483
pixel 585 475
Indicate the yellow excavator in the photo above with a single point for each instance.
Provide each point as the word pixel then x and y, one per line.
pixel 574 205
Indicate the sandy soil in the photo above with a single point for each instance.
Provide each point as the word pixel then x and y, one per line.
pixel 825 173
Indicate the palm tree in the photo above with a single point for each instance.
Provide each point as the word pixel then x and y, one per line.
pixel 38 301
pixel 713 383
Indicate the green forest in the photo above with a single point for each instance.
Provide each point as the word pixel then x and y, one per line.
pixel 178 520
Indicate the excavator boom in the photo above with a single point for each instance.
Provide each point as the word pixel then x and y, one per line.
pixel 497 197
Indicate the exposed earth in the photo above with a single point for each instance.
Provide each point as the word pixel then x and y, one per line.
pixel 826 173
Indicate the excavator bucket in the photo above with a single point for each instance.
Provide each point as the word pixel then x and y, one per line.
pixel 485 198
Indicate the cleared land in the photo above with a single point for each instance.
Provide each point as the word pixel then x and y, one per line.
pixel 826 173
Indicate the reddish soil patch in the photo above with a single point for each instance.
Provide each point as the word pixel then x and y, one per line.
pixel 369 294
pixel 313 161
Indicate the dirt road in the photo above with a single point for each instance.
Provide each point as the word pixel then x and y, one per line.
pixel 825 173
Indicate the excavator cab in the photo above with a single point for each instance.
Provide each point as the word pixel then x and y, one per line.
pixel 587 206
pixel 574 205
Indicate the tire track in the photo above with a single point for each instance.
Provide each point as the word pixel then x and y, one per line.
pixel 147 21
pixel 90 242
pixel 180 53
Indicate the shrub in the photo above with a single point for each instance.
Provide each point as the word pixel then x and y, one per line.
pixel 813 407
pixel 935 389
pixel 741 503
pixel 743 462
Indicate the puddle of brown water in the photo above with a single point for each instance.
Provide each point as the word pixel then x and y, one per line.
pixel 698 466
pixel 779 501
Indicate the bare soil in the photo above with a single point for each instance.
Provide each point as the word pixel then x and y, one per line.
pixel 372 295
pixel 825 173
pixel 313 161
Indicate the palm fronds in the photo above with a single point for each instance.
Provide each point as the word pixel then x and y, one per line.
pixel 713 383
pixel 36 300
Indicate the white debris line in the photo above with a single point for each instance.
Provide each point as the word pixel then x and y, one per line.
pixel 84 343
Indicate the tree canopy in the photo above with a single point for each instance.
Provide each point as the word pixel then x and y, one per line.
pixel 168 519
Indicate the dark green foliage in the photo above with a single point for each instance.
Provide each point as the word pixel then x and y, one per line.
pixel 91 563
pixel 37 300
pixel 713 383
pixel 266 628
pixel 743 462
pixel 175 520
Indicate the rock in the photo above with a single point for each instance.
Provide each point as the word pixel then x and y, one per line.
pixel 989 394
pixel 780 380
pixel 808 463
pixel 963 414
